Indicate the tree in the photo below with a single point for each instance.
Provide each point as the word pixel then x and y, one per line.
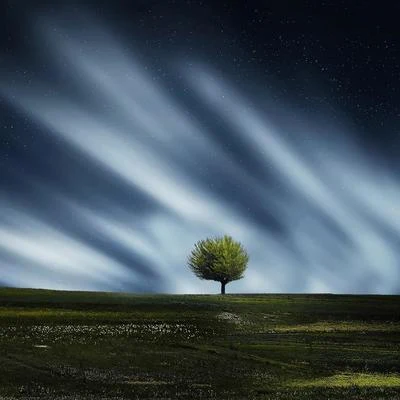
pixel 219 259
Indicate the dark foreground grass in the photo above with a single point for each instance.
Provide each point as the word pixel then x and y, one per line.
pixel 85 345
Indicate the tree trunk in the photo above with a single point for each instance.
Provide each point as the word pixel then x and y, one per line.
pixel 223 287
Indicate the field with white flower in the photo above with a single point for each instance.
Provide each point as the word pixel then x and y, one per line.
pixel 87 345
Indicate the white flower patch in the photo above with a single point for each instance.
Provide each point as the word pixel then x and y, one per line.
pixel 227 316
pixel 89 333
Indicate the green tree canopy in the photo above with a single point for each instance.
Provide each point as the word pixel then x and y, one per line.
pixel 219 259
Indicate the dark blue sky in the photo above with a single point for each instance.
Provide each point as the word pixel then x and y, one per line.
pixel 130 130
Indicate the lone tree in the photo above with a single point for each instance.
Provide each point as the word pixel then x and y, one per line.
pixel 220 259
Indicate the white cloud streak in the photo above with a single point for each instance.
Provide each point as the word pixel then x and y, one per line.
pixel 40 244
pixel 141 134
pixel 374 251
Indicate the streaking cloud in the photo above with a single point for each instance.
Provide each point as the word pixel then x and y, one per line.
pixel 173 182
pixel 375 251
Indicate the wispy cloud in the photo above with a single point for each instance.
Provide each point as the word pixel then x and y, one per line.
pixel 303 232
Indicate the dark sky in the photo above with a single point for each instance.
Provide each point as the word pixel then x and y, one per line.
pixel 130 130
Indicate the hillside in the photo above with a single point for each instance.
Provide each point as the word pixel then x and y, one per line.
pixel 91 345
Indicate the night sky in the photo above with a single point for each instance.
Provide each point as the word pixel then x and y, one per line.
pixel 129 130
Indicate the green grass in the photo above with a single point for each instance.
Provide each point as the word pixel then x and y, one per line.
pixel 84 345
pixel 346 380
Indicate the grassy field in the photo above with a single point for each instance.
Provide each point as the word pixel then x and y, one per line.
pixel 85 345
